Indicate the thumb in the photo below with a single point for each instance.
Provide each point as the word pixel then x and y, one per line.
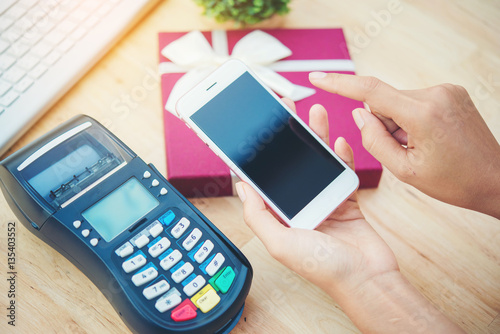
pixel 379 141
pixel 267 228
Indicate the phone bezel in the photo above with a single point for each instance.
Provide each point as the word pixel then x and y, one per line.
pixel 318 209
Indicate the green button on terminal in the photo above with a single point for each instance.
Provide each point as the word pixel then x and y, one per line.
pixel 224 281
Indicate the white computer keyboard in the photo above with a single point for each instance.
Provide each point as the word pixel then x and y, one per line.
pixel 46 46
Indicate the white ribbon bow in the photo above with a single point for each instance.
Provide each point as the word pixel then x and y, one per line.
pixel 260 51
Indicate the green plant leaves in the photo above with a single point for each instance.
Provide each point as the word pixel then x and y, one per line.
pixel 243 11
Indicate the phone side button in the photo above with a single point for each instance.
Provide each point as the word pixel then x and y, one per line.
pixel 212 150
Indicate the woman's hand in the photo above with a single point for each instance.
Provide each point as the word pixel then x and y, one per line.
pixel 433 139
pixel 346 258
pixel 342 253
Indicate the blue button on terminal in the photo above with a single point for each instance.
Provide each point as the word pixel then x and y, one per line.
pixel 167 218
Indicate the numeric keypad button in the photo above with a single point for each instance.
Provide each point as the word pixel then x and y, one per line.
pixel 215 264
pixel 196 284
pixel 180 227
pixel 204 251
pixel 192 239
pixel 156 289
pixel 171 259
pixel 147 275
pixel 180 274
pixel 168 302
pixel 159 247
pixel 134 263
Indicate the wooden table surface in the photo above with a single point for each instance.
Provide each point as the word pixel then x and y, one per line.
pixel 451 255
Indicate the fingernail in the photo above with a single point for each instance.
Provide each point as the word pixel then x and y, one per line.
pixel 358 119
pixel 241 192
pixel 317 75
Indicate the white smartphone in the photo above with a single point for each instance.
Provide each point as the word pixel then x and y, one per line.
pixel 267 145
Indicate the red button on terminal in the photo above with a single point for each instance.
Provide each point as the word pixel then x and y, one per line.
pixel 184 311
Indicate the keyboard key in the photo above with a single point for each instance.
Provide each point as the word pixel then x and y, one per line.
pixel 156 289
pixel 134 263
pixel 14 74
pixel 90 6
pixel 5 4
pixel 41 50
pixel 33 36
pixel 66 45
pixel 192 287
pixel 38 71
pixel 8 98
pixel 167 302
pixel 204 251
pixel 15 12
pixel 215 264
pixel 44 27
pixel 104 9
pixel 66 26
pixel 192 239
pixel 3 44
pixel 180 227
pixel 52 58
pixel 68 4
pixel 4 87
pixel 145 276
pixel 11 35
pixel 5 23
pixel 170 260
pixel 54 37
pixel 35 15
pixel 78 33
pixel 180 274
pixel 91 21
pixel 27 3
pixel 79 15
pixel 18 49
pixel 6 61
pixel 24 84
pixel 159 247
pixel 27 62
pixel 58 14
pixel 22 25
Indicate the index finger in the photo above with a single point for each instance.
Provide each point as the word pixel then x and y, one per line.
pixel 387 100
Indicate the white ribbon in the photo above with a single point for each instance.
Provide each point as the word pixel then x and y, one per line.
pixel 193 55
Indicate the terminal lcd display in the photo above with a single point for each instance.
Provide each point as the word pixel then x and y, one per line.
pixel 120 209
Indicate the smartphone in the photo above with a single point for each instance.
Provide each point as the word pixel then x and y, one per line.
pixel 267 145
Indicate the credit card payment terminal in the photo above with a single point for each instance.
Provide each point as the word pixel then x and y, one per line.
pixel 87 195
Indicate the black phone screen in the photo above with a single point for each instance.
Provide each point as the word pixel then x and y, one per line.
pixel 268 144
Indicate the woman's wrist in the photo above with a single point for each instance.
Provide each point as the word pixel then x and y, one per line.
pixel 489 200
pixel 388 303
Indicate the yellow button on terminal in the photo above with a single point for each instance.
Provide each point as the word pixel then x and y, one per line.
pixel 206 299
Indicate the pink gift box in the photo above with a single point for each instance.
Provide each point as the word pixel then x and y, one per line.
pixel 197 172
